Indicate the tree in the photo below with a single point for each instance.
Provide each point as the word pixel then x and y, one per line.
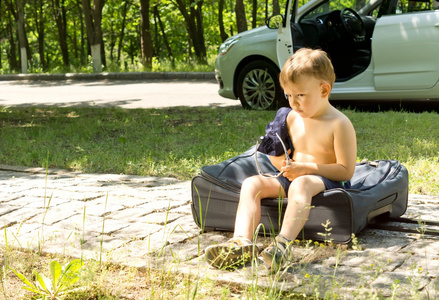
pixel 12 57
pixel 276 7
pixel 194 23
pixel 223 33
pixel 163 33
pixel 122 31
pixel 254 13
pixel 59 14
pixel 18 15
pixel 146 43
pixel 40 22
pixel 93 21
pixel 241 20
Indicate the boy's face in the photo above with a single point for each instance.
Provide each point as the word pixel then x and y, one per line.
pixel 308 95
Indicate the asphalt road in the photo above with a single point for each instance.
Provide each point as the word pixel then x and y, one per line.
pixel 123 93
pixel 154 93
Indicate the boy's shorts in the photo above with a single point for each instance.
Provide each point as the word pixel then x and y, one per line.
pixel 329 184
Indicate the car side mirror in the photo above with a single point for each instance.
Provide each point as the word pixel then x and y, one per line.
pixel 275 21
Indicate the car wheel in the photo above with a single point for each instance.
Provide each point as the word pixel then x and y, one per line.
pixel 258 87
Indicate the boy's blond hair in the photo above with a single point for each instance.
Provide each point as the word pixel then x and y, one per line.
pixel 309 62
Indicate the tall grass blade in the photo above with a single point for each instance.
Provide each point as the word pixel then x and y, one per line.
pixel 102 233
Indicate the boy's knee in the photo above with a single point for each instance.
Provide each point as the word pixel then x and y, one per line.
pixel 300 183
pixel 251 184
pixel 305 185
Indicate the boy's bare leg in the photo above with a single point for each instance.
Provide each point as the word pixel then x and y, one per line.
pixel 240 250
pixel 300 194
pixel 248 215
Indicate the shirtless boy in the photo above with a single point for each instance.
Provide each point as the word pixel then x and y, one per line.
pixel 323 157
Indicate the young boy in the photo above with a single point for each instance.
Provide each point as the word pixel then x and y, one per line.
pixel 323 157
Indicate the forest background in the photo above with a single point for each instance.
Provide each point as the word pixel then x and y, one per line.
pixel 62 36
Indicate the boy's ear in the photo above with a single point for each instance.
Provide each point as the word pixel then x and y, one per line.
pixel 325 89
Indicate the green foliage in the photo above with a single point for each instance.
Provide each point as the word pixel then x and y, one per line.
pixel 121 34
pixel 61 282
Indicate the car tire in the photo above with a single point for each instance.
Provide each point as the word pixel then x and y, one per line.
pixel 258 86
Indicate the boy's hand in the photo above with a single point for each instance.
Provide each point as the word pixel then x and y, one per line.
pixel 292 170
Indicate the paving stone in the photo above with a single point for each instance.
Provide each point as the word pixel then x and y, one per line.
pixel 55 215
pixel 431 290
pixel 422 264
pixel 183 209
pixel 79 223
pixel 136 231
pixel 5 209
pixel 20 215
pixel 382 240
pixel 423 246
pixel 174 232
pixel 101 207
pixel 400 284
pixel 387 261
pixel 161 218
pixel 128 215
pixel 9 197
pixel 155 206
pixel 43 238
pixel 13 236
pixel 129 201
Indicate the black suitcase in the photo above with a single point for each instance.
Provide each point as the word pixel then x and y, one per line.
pixel 379 188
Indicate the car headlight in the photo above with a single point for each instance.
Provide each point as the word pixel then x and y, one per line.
pixel 227 45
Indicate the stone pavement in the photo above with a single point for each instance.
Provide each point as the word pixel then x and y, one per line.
pixel 147 222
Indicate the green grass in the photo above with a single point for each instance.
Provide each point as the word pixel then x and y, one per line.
pixel 177 142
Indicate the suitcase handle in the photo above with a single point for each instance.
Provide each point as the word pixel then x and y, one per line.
pixel 379 211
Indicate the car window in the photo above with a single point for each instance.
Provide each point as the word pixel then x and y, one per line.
pixel 404 6
pixel 332 5
pixel 397 7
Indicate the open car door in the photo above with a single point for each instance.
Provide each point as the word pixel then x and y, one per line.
pixel 284 42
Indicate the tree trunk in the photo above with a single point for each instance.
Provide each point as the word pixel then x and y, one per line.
pixel 241 20
pixel 12 53
pixel 255 14
pixel 223 33
pixel 22 35
pixel 145 35
pixel 194 25
pixel 199 33
pixel 276 7
pixel 59 14
pixel 40 23
pixel 93 19
pixel 162 30
pixel 122 31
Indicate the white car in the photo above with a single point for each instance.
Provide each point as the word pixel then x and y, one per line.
pixel 383 50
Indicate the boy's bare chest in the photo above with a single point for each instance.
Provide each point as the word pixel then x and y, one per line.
pixel 312 138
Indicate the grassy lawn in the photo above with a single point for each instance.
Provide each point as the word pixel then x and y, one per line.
pixel 177 142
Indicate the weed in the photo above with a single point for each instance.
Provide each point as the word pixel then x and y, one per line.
pixel 326 235
pixel 422 226
pixel 61 282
